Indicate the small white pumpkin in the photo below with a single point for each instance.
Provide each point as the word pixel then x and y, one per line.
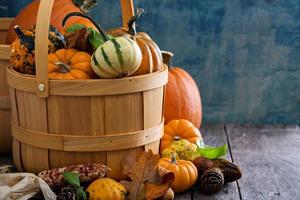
pixel 117 57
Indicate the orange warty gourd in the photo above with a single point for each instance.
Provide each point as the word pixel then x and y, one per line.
pixel 186 173
pixel 69 64
pixel 179 129
pixel 27 17
pixel 152 58
pixel 182 97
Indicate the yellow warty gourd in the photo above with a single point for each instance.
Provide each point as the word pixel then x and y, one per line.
pixel 106 188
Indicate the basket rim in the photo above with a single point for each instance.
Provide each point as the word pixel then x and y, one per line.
pixel 90 87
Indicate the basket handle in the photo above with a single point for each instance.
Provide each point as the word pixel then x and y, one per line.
pixel 127 11
pixel 41 41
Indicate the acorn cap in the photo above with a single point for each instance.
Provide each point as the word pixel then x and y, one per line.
pixel 212 181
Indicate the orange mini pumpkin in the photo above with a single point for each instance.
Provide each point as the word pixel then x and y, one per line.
pixel 69 64
pixel 186 173
pixel 179 129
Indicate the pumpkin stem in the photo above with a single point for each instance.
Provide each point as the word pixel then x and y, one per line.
pixel 132 20
pixel 173 158
pixel 63 67
pixel 177 137
pixel 28 41
pixel 19 32
pixel 101 31
pixel 167 57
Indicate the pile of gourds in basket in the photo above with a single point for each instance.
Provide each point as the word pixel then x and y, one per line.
pixel 79 49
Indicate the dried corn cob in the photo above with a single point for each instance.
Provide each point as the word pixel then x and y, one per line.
pixel 86 172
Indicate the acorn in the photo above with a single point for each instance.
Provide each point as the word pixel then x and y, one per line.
pixel 231 171
pixel 203 164
pixel 212 181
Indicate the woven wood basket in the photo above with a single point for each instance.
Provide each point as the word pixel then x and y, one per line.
pixel 60 122
pixel 5 136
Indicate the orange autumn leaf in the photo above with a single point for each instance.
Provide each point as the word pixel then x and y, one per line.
pixel 147 180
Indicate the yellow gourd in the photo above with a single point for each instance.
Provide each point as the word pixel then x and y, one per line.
pixel 106 188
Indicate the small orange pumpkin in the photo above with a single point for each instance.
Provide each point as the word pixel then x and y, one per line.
pixel 69 64
pixel 186 173
pixel 179 129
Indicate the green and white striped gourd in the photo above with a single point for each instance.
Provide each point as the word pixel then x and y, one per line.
pixel 117 57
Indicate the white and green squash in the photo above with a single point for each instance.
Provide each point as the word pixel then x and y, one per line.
pixel 117 57
pixel 114 57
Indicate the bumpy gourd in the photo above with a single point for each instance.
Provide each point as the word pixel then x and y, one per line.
pixel 106 188
pixel 22 49
pixel 186 173
pixel 183 149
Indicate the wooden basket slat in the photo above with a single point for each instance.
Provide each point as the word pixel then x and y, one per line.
pixel 97 108
pixel 123 113
pixel 16 145
pixel 33 117
pixel 5 136
pixel 81 142
pixel 94 87
pixel 152 115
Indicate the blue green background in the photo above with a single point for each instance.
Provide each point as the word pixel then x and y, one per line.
pixel 243 54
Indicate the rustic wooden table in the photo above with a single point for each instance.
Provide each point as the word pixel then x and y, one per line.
pixel 269 157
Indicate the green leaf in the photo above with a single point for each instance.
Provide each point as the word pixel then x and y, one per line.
pixel 72 178
pixel 74 27
pixel 95 38
pixel 81 194
pixel 213 152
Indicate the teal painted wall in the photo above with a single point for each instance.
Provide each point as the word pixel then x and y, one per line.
pixel 243 54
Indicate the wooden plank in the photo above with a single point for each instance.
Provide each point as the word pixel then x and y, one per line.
pixel 215 135
pixel 5 23
pixel 5 52
pixel 269 158
pixel 184 196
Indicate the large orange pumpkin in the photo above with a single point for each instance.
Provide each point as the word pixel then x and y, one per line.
pixel 182 97
pixel 27 17
pixel 152 58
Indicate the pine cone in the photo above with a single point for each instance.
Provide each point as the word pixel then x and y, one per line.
pixel 212 181
pixel 231 171
pixel 67 193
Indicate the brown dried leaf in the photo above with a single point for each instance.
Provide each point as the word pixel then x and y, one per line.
pixel 79 40
pixel 147 180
